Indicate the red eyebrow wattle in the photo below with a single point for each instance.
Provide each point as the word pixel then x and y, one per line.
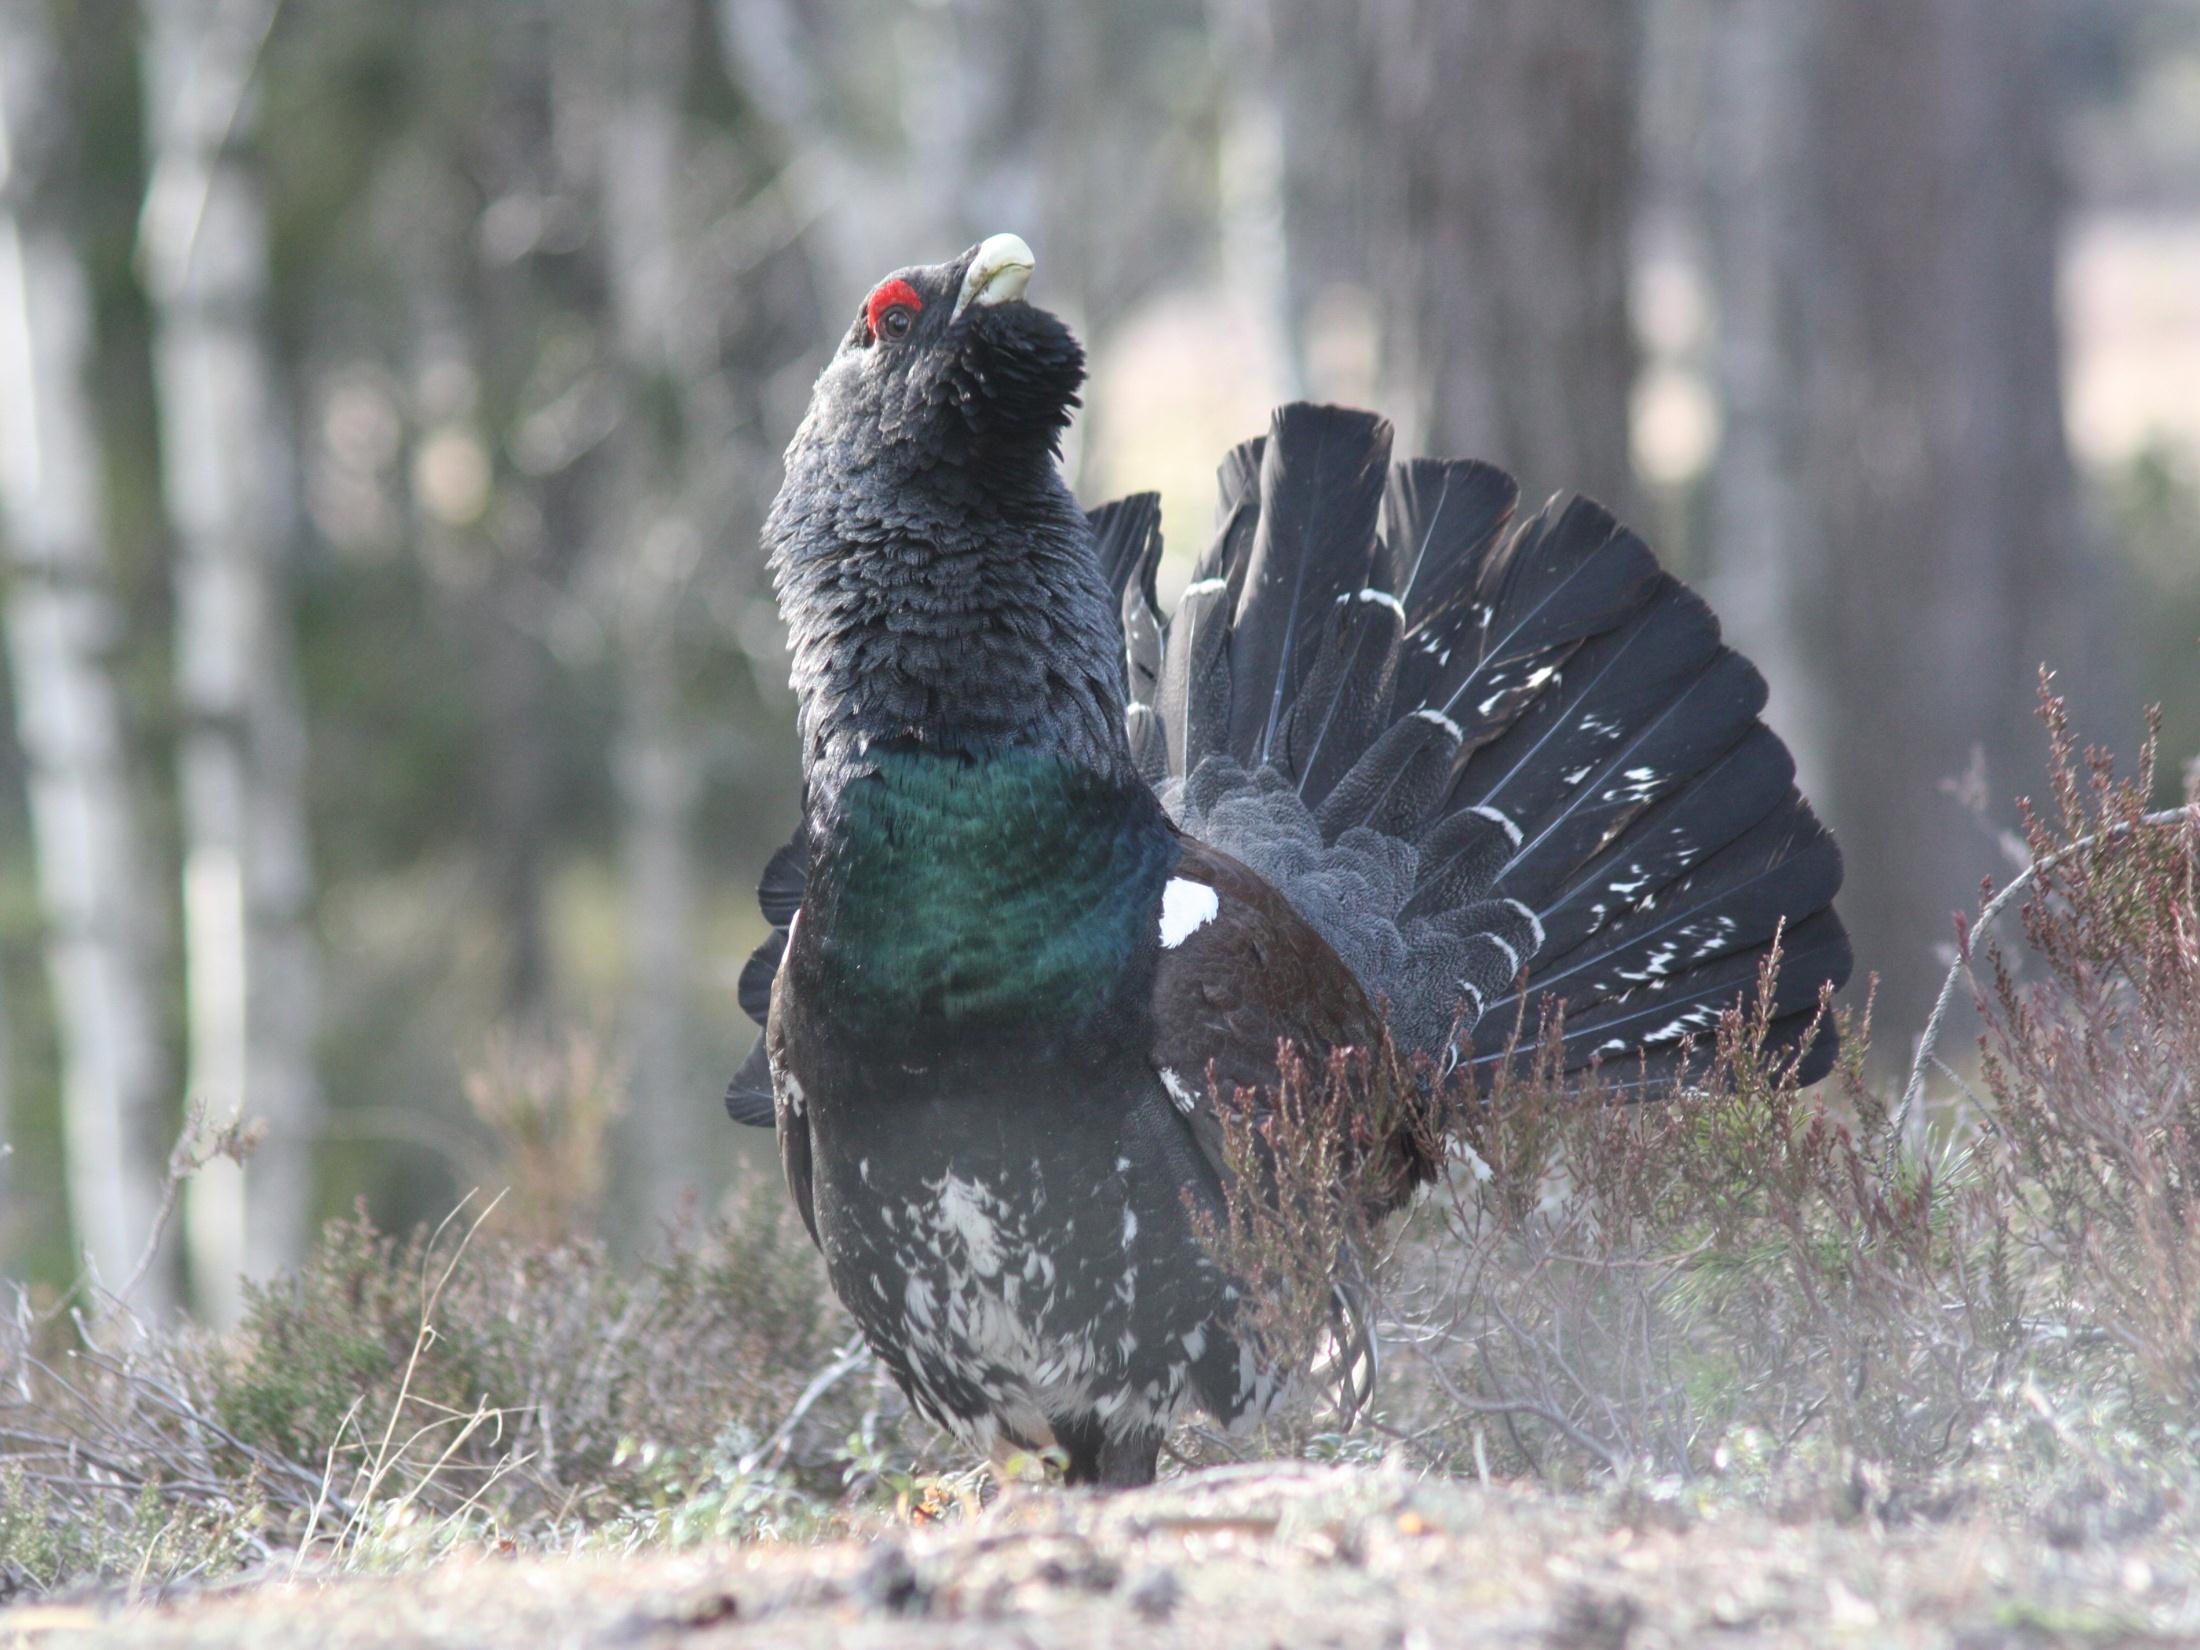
pixel 889 295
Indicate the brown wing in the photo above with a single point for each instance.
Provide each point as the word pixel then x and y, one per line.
pixel 1237 976
pixel 792 1117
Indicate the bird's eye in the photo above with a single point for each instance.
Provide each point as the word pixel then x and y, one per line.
pixel 892 309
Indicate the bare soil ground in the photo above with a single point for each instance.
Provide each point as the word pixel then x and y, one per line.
pixel 1255 1557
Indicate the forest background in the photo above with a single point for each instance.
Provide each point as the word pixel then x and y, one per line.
pixel 395 711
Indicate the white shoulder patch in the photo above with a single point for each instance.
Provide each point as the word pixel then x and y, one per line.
pixel 1180 1092
pixel 1186 907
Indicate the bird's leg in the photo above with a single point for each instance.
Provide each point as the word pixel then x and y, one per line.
pixel 1129 1461
pixel 1016 1469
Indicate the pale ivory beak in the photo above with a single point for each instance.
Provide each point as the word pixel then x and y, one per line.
pixel 1000 271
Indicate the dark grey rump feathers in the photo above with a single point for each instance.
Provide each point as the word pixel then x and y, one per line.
pixel 1503 769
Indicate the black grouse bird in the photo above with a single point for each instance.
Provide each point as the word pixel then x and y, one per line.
pixel 1061 857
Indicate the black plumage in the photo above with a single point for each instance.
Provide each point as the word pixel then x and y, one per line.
pixel 1312 546
pixel 1062 857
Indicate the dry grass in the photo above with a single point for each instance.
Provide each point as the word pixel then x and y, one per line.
pixel 400 1396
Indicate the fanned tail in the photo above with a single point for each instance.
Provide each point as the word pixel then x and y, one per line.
pixel 1600 823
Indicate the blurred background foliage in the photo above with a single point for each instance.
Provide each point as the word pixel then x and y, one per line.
pixel 1882 320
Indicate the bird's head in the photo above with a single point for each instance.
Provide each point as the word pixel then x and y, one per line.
pixel 946 362
pixel 938 579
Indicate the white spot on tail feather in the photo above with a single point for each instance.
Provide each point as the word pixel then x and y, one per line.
pixel 1371 594
pixel 1441 720
pixel 1200 587
pixel 1186 908
pixel 1535 923
pixel 1502 821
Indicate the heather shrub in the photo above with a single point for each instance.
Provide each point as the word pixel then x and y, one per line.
pixel 569 1356
pixel 400 1394
pixel 1335 1145
pixel 2090 1062
pixel 1599 1286
pixel 1755 1282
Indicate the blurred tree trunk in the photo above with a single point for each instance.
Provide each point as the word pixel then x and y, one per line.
pixel 1763 552
pixel 228 479
pixel 62 625
pixel 7 1112
pixel 1049 121
pixel 651 558
pixel 515 686
pixel 1503 190
pixel 1271 122
pixel 537 524
pixel 490 248
pixel 1893 379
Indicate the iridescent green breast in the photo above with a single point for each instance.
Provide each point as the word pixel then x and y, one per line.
pixel 968 896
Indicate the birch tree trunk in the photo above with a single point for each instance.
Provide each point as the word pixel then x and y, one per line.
pixel 653 552
pixel 227 475
pixel 62 623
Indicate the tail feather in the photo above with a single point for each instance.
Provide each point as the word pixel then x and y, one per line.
pixel 1597 702
pixel 1641 1022
pixel 1321 488
pixel 1603 827
pixel 749 1096
pixel 1441 521
pixel 1126 537
pixel 1237 486
pixel 1346 699
pixel 1731 903
pixel 1679 833
pixel 1237 505
pixel 779 890
pixel 1563 577
pixel 1596 802
pixel 755 989
pixel 1192 697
